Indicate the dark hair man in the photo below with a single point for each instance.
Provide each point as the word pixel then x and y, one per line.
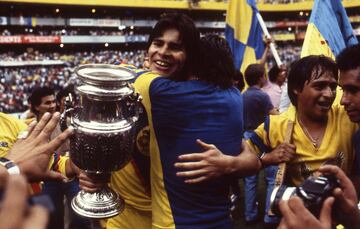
pixel 274 86
pixel 173 46
pixel 172 50
pixel 181 112
pixel 321 132
pixel 349 81
pixel 257 106
pixel 207 107
pixel 42 100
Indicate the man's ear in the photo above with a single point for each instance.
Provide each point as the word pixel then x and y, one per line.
pixel 36 108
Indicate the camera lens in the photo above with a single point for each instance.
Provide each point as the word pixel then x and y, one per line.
pixel 280 193
pixel 313 191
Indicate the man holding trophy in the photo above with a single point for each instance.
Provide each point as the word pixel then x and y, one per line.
pixel 193 104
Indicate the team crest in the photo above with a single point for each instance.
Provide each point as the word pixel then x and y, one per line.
pixel 4 144
pixel 143 141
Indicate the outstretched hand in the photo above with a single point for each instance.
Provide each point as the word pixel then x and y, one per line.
pixel 15 212
pixel 204 166
pixel 32 154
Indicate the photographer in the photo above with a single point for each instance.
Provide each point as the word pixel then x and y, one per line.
pixel 296 215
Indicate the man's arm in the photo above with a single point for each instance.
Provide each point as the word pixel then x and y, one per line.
pixel 212 163
pixel 266 51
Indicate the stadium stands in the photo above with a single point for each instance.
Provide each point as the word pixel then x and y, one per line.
pixel 41 46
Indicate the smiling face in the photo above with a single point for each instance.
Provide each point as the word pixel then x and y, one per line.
pixel 166 53
pixel 350 83
pixel 317 97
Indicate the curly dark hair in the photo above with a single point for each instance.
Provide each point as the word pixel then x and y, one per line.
pixel 216 63
pixel 349 58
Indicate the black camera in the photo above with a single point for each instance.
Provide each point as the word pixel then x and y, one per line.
pixel 313 191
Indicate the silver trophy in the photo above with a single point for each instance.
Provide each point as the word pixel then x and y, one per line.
pixel 103 119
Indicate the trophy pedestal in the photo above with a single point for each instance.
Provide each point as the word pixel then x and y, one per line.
pixel 98 205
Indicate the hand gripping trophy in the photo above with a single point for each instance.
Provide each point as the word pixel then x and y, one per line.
pixel 104 121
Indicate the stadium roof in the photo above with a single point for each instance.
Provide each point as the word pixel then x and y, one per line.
pixel 184 4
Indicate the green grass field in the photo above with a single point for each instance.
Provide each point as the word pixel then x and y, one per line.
pixel 238 216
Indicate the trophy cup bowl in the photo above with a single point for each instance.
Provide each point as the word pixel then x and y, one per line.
pixel 104 120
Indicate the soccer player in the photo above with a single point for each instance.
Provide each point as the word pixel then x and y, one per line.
pixel 322 133
pixel 345 195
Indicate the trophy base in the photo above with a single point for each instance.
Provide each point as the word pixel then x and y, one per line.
pixel 98 205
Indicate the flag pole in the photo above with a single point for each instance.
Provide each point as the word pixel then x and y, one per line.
pixel 272 46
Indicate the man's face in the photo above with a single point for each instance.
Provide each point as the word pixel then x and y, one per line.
pixel 281 77
pixel 166 53
pixel 317 97
pixel 47 105
pixel 350 83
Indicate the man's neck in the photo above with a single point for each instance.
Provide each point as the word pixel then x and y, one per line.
pixel 314 129
pixel 312 123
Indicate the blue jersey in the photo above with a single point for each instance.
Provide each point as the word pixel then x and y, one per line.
pixel 179 113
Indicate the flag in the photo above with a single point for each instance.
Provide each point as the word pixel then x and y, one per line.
pixel 243 33
pixel 329 30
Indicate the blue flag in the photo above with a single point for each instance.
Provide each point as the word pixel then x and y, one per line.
pixel 243 32
pixel 329 30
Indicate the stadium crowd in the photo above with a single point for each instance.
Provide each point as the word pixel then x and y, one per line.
pixel 17 82
pixel 66 32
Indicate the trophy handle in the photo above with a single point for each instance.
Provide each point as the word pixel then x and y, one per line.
pixel 136 102
pixel 67 113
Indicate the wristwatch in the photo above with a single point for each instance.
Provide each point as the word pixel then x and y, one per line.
pixel 11 167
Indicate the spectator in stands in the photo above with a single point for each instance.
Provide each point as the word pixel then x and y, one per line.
pixel 350 83
pixel 257 106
